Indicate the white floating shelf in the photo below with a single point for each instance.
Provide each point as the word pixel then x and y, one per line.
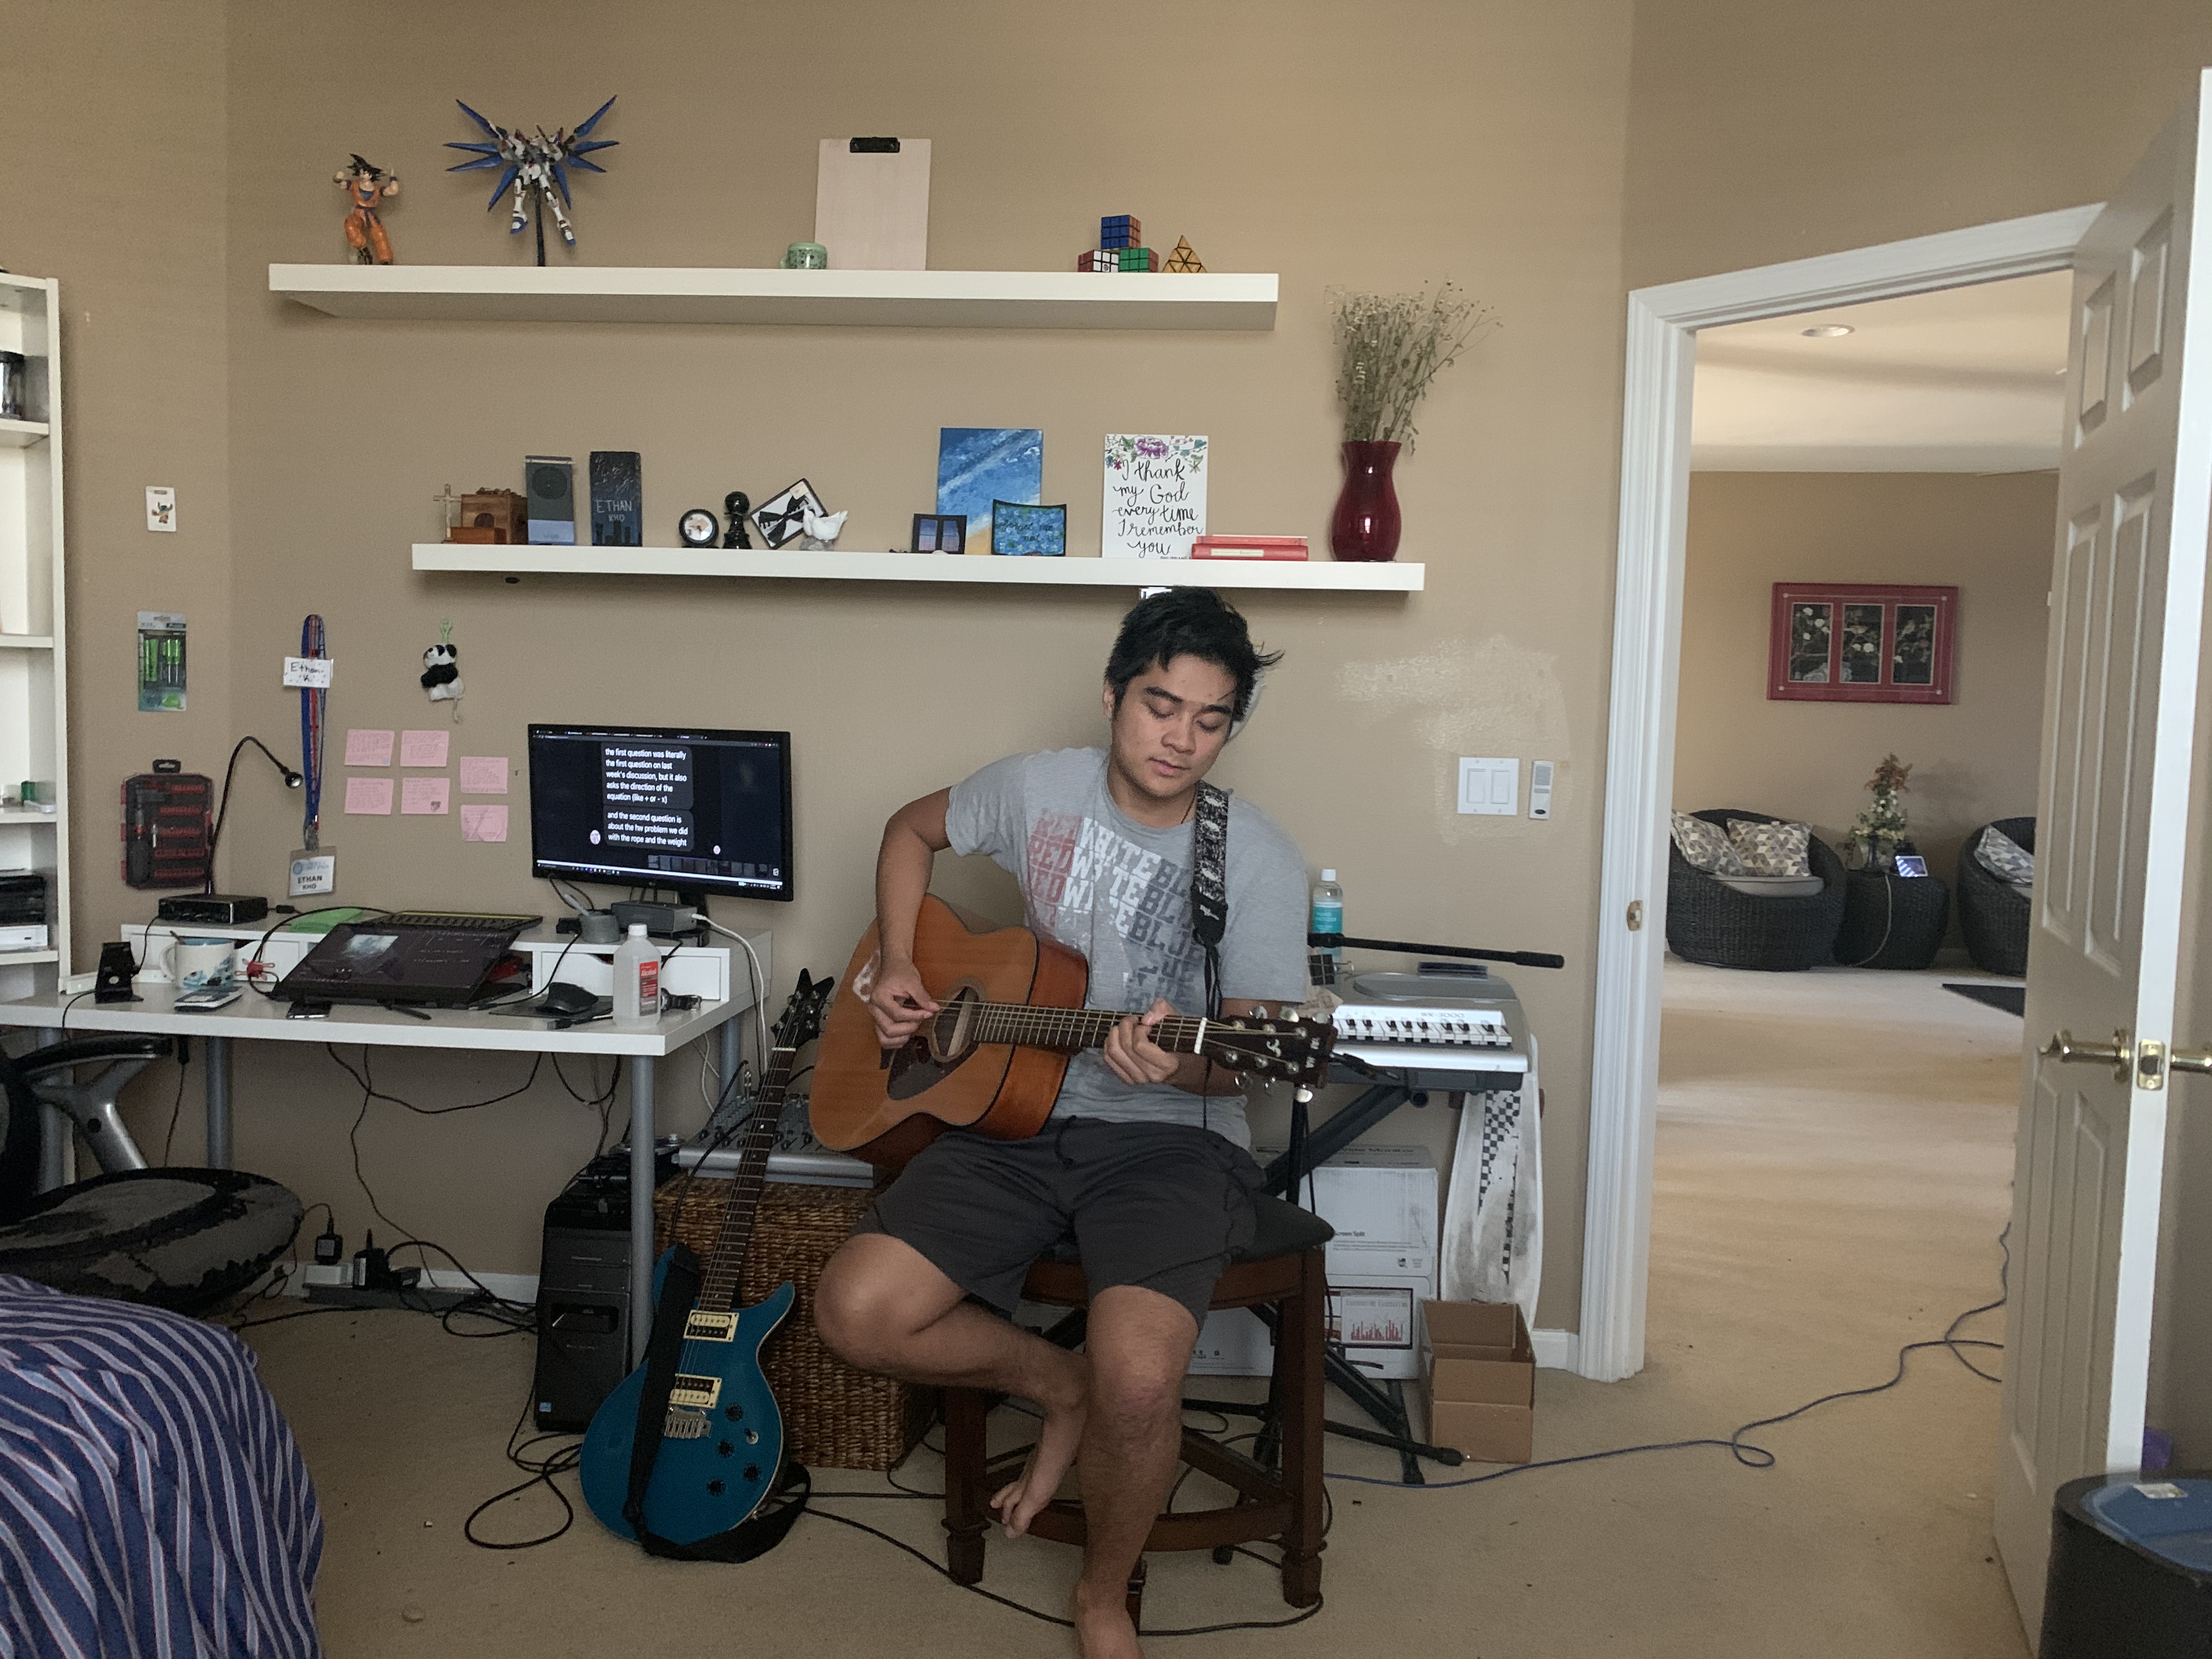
pixel 1317 575
pixel 885 299
pixel 31 815
pixel 22 434
pixel 26 642
pixel 18 958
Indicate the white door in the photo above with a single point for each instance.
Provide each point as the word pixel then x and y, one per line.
pixel 2119 716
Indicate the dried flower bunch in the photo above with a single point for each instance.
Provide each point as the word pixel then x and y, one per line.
pixel 1389 347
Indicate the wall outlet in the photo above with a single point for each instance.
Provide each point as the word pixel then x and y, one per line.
pixel 1489 786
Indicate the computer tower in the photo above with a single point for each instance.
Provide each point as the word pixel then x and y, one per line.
pixel 583 1297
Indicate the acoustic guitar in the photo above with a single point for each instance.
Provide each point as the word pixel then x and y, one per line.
pixel 1011 1017
pixel 721 1442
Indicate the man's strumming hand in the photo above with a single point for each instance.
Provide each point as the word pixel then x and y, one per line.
pixel 899 1000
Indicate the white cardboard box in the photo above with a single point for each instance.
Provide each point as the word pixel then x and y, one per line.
pixel 1381 1266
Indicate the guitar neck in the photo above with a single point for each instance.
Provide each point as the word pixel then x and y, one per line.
pixel 718 1281
pixel 1078 1028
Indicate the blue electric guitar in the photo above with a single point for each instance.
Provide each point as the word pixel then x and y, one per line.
pixel 721 1438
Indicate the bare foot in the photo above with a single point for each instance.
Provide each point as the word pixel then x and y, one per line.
pixel 1102 1625
pixel 1019 1501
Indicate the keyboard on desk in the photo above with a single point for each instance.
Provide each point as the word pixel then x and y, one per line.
pixel 469 921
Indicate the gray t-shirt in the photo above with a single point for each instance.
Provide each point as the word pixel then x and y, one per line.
pixel 1118 893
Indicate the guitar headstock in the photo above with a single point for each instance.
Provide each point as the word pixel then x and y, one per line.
pixel 801 1020
pixel 1285 1049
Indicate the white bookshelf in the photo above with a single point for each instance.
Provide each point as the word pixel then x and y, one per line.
pixel 1315 575
pixel 34 717
pixel 702 293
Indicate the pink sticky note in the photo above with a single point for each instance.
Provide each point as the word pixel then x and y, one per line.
pixel 425 796
pixel 483 822
pixel 483 774
pixel 369 795
pixel 422 748
pixel 366 748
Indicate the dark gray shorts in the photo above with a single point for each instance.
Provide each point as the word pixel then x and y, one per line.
pixel 1159 1204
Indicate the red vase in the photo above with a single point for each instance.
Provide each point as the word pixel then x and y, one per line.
pixel 1364 526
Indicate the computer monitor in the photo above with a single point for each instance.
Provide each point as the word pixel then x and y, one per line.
pixel 699 811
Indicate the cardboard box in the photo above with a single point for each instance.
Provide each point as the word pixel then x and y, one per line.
pixel 1482 1380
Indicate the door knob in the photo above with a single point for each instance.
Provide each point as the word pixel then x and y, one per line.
pixel 2118 1053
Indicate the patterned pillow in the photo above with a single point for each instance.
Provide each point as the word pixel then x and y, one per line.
pixel 2005 858
pixel 1772 849
pixel 1706 846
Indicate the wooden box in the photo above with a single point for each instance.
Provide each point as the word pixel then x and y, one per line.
pixel 500 511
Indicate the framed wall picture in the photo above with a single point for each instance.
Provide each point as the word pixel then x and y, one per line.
pixel 1860 643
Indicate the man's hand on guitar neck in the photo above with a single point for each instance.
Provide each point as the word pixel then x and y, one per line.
pixel 899 1001
pixel 1134 1055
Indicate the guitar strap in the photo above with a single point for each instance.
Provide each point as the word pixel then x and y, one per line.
pixel 765 1527
pixel 1209 884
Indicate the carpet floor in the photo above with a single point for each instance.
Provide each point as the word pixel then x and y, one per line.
pixel 1831 1166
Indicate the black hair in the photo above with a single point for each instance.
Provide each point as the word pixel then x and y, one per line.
pixel 1188 622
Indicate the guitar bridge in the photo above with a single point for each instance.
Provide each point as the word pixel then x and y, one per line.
pixel 704 1327
pixel 699 1392
pixel 684 1425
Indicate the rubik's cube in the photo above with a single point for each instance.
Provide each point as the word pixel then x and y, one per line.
pixel 1119 230
pixel 1136 258
pixel 1099 258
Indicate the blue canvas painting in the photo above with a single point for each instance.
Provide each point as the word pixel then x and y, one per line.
pixel 1035 532
pixel 977 465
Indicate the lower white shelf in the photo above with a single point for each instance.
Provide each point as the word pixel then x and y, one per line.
pixel 28 815
pixel 22 959
pixel 1316 575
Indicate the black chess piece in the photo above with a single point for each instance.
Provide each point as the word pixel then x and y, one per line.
pixel 737 506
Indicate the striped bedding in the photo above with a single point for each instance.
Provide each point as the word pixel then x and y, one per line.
pixel 152 1501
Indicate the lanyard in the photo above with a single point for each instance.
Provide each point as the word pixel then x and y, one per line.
pixel 312 701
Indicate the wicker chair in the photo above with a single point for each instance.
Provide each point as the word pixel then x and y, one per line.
pixel 1993 915
pixel 1714 924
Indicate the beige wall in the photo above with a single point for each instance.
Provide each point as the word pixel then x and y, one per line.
pixel 1381 146
pixel 1507 144
pixel 1974 758
pixel 112 179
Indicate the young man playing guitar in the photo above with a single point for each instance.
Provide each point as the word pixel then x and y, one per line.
pixel 1145 1157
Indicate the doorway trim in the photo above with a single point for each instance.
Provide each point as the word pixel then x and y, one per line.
pixel 1647 631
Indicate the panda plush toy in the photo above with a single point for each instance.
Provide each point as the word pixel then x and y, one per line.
pixel 441 673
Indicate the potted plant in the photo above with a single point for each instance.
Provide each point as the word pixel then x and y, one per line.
pixel 1883 831
pixel 1389 347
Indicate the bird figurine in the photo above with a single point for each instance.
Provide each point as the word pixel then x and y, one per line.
pixel 821 529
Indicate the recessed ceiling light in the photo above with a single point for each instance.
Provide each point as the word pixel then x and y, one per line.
pixel 1828 331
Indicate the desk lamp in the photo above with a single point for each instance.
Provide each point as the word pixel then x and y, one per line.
pixel 292 781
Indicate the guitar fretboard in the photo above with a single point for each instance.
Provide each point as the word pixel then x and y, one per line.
pixel 718 1282
pixel 1077 1028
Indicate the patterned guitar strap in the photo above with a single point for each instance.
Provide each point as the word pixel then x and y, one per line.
pixel 1209 886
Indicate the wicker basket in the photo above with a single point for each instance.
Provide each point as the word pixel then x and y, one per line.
pixel 833 1417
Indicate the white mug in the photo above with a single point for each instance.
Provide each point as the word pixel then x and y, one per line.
pixel 194 964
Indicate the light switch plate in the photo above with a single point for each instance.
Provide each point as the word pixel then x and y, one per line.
pixel 1540 788
pixel 1489 786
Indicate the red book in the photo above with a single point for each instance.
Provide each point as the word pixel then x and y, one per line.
pixel 1248 547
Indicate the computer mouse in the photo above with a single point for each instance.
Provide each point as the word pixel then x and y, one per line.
pixel 567 1000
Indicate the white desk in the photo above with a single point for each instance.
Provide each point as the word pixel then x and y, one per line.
pixel 255 1018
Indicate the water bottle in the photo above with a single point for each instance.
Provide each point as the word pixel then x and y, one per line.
pixel 638 979
pixel 1328 911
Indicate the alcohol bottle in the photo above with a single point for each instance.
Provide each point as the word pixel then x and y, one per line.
pixel 1328 911
pixel 637 980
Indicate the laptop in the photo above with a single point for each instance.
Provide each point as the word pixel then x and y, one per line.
pixel 372 962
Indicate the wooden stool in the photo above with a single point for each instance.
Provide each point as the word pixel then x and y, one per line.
pixel 1282 1268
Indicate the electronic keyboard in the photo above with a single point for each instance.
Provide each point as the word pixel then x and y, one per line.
pixel 1415 1023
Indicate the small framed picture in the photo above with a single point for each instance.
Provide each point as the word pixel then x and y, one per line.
pixel 939 532
pixel 1912 863
pixel 1025 530
pixel 782 517
pixel 1860 643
